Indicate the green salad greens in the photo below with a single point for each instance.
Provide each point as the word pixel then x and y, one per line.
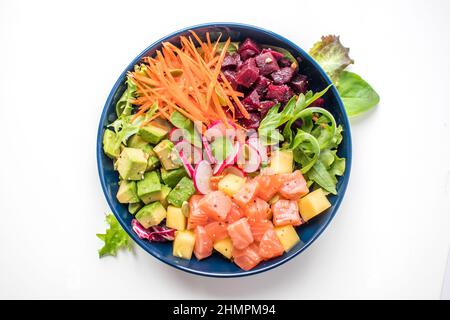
pixel 115 238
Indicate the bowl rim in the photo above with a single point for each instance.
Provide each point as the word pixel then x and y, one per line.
pixel 347 136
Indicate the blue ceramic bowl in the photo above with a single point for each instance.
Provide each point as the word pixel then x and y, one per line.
pixel 216 266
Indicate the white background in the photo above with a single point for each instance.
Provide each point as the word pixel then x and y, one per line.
pixel 58 62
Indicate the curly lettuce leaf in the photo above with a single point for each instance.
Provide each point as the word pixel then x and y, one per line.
pixel 115 238
pixel 124 105
pixel 356 94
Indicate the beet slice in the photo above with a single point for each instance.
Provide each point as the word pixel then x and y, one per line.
pixel 264 107
pixel 231 61
pixel 284 62
pixel 252 122
pixel 283 75
pixel 251 101
pixel 277 55
pixel 261 85
pixel 247 73
pixel 299 83
pixel 250 45
pixel 266 63
pixel 279 93
pixel 231 77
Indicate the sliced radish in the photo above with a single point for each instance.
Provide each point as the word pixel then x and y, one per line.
pixel 262 150
pixel 192 153
pixel 253 159
pixel 208 153
pixel 202 175
pixel 176 135
pixel 218 168
pixel 189 169
pixel 219 129
pixel 235 170
pixel 232 159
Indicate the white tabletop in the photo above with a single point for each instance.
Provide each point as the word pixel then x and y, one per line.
pixel 58 62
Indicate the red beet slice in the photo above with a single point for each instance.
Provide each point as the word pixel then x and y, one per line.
pixel 283 75
pixel 266 63
pixel 280 93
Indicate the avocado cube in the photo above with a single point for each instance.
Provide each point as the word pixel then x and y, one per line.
pixel 160 196
pixel 152 134
pixel 172 177
pixel 152 163
pixel 137 142
pixel 151 214
pixel 127 192
pixel 168 155
pixel 148 186
pixel 109 145
pixel 131 164
pixel 182 192
pixel 134 207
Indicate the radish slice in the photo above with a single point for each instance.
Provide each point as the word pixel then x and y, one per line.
pixel 235 170
pixel 189 169
pixel 203 174
pixel 176 135
pixel 253 162
pixel 255 143
pixel 219 129
pixel 208 152
pixel 232 159
pixel 218 168
pixel 192 153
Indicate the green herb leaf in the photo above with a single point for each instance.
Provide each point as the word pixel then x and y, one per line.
pixel 308 144
pixel 331 55
pixel 356 94
pixel 115 238
pixel 124 105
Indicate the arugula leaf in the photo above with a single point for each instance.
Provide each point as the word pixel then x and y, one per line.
pixel 331 55
pixel 307 144
pixel 356 94
pixel 115 238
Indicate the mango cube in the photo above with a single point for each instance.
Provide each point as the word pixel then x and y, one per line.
pixel 287 236
pixel 183 245
pixel 282 161
pixel 225 247
pixel 175 218
pixel 313 204
pixel 230 184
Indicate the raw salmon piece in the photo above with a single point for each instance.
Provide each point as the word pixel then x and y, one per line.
pixel 268 186
pixel 216 204
pixel 217 230
pixel 286 212
pixel 235 214
pixel 258 209
pixel 197 217
pixel 246 194
pixel 270 246
pixel 294 186
pixel 203 243
pixel 240 233
pixel 259 228
pixel 247 258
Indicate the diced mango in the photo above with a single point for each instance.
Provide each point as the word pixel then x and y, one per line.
pixel 175 218
pixel 225 247
pixel 183 245
pixel 313 204
pixel 282 161
pixel 230 184
pixel 287 236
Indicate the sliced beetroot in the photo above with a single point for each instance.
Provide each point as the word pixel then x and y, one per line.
pixel 231 77
pixel 266 63
pixel 261 85
pixel 247 74
pixel 277 55
pixel 246 54
pixel 283 75
pixel 299 83
pixel 251 101
pixel 285 62
pixel 319 103
pixel 252 122
pixel 280 93
pixel 264 107
pixel 249 45
pixel 231 61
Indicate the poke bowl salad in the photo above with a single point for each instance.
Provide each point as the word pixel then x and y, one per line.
pixel 221 149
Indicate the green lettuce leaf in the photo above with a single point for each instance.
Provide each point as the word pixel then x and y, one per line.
pixel 124 105
pixel 356 94
pixel 331 55
pixel 115 238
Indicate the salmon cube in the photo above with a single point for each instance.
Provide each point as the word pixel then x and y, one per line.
pixel 216 204
pixel 240 233
pixel 286 212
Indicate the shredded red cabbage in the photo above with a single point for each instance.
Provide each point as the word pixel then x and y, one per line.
pixel 155 233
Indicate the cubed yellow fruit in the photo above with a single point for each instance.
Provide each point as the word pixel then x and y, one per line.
pixel 230 184
pixel 313 204
pixel 225 247
pixel 282 161
pixel 288 237
pixel 175 218
pixel 183 245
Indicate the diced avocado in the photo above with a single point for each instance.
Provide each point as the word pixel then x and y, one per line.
pixel 127 192
pixel 313 204
pixel 160 196
pixel 152 163
pixel 168 155
pixel 151 214
pixel 109 146
pixel 152 134
pixel 175 218
pixel 183 245
pixel 225 247
pixel 147 187
pixel 182 192
pixel 132 164
pixel 172 177
pixel 282 161
pixel 231 184
pixel 180 121
pixel 134 207
pixel 137 142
